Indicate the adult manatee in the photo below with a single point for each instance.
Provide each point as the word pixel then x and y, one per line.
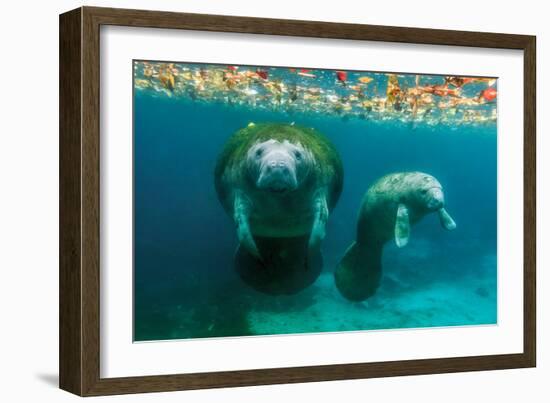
pixel 390 207
pixel 279 183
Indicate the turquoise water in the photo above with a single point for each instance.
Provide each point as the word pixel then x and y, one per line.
pixel 185 285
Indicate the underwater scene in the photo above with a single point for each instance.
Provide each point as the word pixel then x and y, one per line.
pixel 287 200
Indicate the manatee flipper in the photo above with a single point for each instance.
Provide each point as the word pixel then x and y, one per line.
pixel 359 272
pixel 446 220
pixel 319 222
pixel 241 213
pixel 402 226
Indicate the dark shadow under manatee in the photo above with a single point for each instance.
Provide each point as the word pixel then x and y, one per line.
pixel 287 266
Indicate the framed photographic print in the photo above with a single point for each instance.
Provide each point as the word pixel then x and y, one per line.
pixel 249 201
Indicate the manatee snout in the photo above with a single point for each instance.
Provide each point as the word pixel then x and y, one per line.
pixel 436 202
pixel 277 172
pixel 436 199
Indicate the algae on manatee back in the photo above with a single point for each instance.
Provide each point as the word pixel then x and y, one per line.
pixel 234 151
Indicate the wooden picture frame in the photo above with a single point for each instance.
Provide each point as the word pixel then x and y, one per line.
pixel 79 346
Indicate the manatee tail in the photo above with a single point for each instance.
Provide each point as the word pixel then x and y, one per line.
pixel 287 267
pixel 359 272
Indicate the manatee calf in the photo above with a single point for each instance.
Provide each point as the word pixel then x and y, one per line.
pixel 278 181
pixel 390 207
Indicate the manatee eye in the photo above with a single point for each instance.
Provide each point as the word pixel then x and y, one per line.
pixel 298 155
pixel 259 152
pixel 424 191
pixel 427 178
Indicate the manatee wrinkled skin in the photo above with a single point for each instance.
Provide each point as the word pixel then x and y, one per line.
pixel 278 182
pixel 390 207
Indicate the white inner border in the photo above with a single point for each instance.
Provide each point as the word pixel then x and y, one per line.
pixel 120 357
